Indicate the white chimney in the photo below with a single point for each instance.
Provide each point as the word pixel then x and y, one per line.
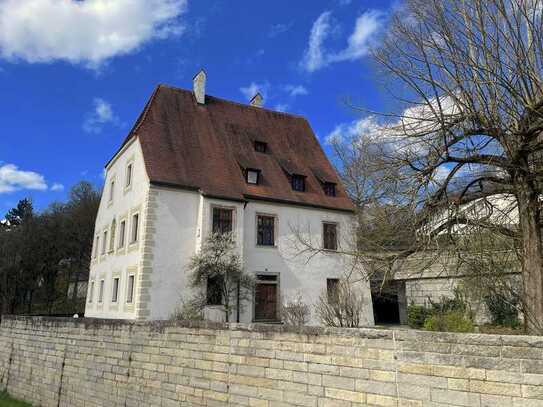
pixel 257 100
pixel 199 87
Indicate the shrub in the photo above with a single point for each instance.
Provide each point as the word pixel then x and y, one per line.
pixel 295 312
pixel 416 315
pixel 503 311
pixel 343 308
pixel 187 311
pixel 450 321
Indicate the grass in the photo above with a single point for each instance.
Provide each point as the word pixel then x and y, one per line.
pixel 7 401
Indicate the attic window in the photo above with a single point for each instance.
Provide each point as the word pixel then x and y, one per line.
pixel 252 176
pixel 329 188
pixel 298 182
pixel 261 147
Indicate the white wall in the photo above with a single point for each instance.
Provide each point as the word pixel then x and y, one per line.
pixel 303 273
pixel 120 262
pixel 176 231
pixel 184 218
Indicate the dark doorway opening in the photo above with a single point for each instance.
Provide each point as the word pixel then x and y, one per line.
pixel 386 309
pixel 389 303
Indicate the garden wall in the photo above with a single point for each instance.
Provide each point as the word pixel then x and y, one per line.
pixel 86 362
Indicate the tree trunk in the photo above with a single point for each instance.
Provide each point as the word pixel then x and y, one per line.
pixel 532 263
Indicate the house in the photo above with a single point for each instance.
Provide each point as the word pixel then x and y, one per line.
pixel 194 164
pixel 426 277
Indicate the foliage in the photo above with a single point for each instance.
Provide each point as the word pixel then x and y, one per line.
pixel 343 309
pixel 219 261
pixel 42 254
pixel 188 311
pixel 295 312
pixel 7 401
pixel 416 315
pixel 449 321
pixel 504 311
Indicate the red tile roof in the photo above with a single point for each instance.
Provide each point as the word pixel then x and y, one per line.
pixel 204 147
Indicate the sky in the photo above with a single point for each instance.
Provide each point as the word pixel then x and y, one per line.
pixel 75 74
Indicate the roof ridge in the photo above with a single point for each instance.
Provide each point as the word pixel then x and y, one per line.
pixel 297 116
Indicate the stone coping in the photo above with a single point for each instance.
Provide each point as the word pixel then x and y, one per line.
pixel 397 334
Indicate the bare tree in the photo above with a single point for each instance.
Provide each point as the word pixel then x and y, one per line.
pixel 469 76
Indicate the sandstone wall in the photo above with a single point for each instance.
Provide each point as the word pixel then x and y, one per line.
pixel 66 362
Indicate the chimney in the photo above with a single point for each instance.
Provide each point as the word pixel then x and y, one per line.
pixel 199 87
pixel 257 100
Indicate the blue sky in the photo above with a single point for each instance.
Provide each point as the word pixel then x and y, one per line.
pixel 74 75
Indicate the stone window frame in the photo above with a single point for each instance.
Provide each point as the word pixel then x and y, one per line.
pixel 130 163
pixel 91 292
pixel 233 208
pixel 101 291
pixel 115 276
pixel 111 190
pixel 122 249
pixel 275 229
pixel 134 245
pixel 336 224
pixel 130 306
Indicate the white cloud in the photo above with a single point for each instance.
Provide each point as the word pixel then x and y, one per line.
pixel 102 114
pixel 12 179
pixel 278 29
pixel 88 32
pixel 57 187
pixel 281 107
pixel 317 56
pixel 314 57
pixel 295 90
pixel 254 88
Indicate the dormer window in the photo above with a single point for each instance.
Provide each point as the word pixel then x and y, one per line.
pixel 252 176
pixel 329 188
pixel 261 147
pixel 298 182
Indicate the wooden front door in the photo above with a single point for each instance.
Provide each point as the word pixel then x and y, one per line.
pixel 266 302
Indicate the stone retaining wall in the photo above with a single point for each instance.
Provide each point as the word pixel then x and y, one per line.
pixel 66 362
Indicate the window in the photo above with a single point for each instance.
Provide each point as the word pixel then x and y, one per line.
pixel 115 290
pixel 112 237
pixel 111 191
pixel 130 289
pixel 135 221
pixel 214 290
pixel 297 182
pixel 97 246
pixel 101 291
pixel 91 291
pixel 252 176
pixel 122 233
pixel 329 233
pixel 265 233
pixel 332 287
pixel 261 147
pixel 104 243
pixel 329 188
pixel 128 175
pixel 222 220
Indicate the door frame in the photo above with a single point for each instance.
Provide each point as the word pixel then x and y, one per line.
pixel 277 283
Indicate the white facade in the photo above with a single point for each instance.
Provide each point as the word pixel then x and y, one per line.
pixel 172 225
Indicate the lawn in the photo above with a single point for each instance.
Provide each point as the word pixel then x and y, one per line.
pixel 7 401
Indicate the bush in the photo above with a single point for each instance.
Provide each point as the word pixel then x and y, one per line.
pixel 343 308
pixel 295 312
pixel 187 311
pixel 503 311
pixel 450 321
pixel 416 315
